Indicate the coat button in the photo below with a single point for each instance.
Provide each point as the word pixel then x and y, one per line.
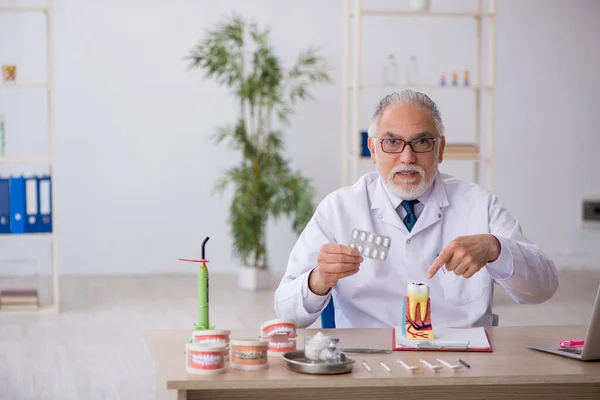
pixel 408 241
pixel 380 216
pixel 440 215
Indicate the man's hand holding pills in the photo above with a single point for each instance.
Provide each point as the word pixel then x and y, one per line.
pixel 334 262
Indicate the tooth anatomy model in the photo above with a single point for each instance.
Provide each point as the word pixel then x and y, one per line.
pixel 416 313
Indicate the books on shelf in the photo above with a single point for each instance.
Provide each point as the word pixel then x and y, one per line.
pixel 19 299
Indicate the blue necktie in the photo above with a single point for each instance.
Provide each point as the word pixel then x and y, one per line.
pixel 411 218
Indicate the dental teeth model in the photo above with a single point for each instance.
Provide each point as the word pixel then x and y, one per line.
pixel 370 245
pixel 278 327
pixel 205 360
pixel 416 313
pixel 281 335
pixel 249 354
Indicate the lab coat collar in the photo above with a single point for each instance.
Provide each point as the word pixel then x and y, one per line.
pixel 432 212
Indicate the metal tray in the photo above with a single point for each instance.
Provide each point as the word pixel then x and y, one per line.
pixel 297 362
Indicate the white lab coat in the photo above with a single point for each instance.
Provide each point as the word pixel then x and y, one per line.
pixel 374 296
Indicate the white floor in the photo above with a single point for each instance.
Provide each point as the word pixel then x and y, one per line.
pixel 94 348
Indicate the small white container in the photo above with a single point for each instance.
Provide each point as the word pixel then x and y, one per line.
pixel 204 360
pixel 314 346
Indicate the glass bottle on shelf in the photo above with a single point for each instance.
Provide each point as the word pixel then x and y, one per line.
pixel 390 71
pixel 411 71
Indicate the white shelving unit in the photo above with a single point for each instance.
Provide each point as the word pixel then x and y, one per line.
pixel 22 85
pixel 353 87
pixel 53 304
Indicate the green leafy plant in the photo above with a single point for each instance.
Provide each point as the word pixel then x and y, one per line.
pixel 237 54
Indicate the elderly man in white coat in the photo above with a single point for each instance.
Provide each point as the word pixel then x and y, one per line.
pixel 455 236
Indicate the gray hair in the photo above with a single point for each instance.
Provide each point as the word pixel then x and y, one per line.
pixel 407 97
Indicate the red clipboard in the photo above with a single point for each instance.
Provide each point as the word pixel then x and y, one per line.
pixel 396 347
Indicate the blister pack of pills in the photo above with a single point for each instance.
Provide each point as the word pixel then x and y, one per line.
pixel 370 245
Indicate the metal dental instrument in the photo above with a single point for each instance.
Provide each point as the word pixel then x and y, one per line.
pixel 367 351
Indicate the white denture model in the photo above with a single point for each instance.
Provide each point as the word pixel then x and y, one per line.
pixel 281 334
pixel 280 344
pixel 205 360
pixel 278 327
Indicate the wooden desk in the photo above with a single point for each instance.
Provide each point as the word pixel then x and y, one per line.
pixel 511 371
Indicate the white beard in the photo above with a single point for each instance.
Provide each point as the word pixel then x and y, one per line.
pixel 414 192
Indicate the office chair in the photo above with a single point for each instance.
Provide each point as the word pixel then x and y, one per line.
pixel 328 315
pixel 495 319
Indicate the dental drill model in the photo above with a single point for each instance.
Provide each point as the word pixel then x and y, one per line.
pixel 416 313
pixel 203 320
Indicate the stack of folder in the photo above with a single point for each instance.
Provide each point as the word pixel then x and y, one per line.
pixel 19 299
pixel 25 205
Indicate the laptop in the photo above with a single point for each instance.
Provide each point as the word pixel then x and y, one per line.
pixel 591 347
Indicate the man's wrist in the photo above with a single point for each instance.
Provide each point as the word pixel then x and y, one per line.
pixel 314 287
pixel 495 248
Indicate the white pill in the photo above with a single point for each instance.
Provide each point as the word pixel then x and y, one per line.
pixel 375 253
pixel 363 236
pixel 378 240
pixel 353 245
pixel 354 234
pixel 360 249
pixel 382 255
pixel 386 242
pixel 370 238
pixel 367 252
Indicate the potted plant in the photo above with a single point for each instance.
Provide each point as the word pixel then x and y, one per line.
pixel 237 54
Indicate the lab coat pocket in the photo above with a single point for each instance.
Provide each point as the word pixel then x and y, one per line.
pixel 459 291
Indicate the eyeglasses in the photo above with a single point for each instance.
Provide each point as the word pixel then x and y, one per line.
pixel 420 145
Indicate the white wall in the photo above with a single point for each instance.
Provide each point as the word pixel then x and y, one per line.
pixel 547 142
pixel 136 165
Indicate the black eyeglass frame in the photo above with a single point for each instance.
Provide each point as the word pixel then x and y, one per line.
pixel 407 143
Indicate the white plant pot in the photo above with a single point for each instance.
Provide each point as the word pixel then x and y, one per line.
pixel 254 279
pixel 419 5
